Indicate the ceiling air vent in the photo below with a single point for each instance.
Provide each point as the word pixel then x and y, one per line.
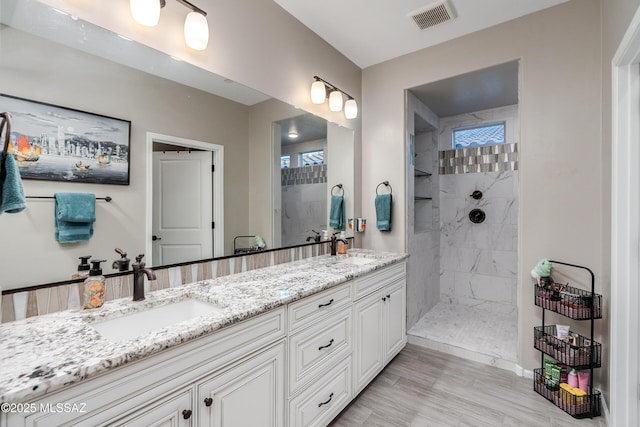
pixel 434 14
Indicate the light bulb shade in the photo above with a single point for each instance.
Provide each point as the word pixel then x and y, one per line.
pixel 351 109
pixel 318 92
pixel 196 31
pixel 335 101
pixel 146 12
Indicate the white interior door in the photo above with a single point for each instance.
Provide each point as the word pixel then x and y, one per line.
pixel 182 206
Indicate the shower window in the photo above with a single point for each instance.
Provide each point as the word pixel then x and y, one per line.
pixel 285 162
pixel 312 158
pixel 478 136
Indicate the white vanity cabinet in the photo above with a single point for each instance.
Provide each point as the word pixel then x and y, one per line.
pixel 320 348
pixel 249 394
pixel 379 322
pixel 167 412
pixel 295 366
pixel 161 389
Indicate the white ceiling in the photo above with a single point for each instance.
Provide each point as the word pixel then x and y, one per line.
pixel 372 31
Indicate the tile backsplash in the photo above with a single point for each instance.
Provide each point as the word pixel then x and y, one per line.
pixel 29 303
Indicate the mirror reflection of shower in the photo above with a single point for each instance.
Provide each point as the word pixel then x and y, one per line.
pixel 303 178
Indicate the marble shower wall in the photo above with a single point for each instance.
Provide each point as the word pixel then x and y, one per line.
pixel 304 203
pixel 479 262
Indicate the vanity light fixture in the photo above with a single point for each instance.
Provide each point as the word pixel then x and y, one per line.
pixel 196 27
pixel 319 89
pixel 146 12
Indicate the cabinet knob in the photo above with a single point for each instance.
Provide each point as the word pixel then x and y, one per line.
pixel 324 403
pixel 186 414
pixel 384 298
pixel 327 304
pixel 388 296
pixel 325 346
pixel 208 401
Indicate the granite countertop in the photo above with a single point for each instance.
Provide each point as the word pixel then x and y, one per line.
pixel 42 354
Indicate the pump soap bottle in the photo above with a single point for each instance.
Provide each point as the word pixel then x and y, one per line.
pixel 83 268
pixel 94 286
pixel 342 247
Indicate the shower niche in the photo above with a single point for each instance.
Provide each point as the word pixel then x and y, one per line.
pixel 425 177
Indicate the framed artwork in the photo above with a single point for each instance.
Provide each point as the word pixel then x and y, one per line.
pixel 54 143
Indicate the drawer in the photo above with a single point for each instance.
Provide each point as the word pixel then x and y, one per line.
pixel 315 350
pixel 310 309
pixel 321 402
pixel 376 280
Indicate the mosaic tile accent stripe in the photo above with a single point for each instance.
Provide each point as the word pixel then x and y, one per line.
pixel 68 296
pixel 316 174
pixel 494 158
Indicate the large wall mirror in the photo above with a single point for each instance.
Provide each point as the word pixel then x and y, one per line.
pixel 178 112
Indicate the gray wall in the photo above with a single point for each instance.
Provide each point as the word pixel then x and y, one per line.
pixel 560 113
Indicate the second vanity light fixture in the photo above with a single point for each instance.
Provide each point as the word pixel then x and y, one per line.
pixel 319 90
pixel 196 27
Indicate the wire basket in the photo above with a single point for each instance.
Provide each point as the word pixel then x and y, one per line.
pixel 570 301
pixel 578 355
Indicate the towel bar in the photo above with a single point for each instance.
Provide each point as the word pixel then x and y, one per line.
pixel 106 199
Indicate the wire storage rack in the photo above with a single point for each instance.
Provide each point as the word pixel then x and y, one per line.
pixel 580 352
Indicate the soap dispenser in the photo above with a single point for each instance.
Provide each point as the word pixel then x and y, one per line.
pixel 342 246
pixel 83 268
pixel 94 286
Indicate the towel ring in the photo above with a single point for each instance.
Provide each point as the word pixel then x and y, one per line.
pixel 386 184
pixel 339 186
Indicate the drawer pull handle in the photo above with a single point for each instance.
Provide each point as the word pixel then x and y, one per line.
pixel 186 414
pixel 208 401
pixel 326 305
pixel 324 403
pixel 326 346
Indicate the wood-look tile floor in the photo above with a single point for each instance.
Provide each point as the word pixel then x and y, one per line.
pixel 425 388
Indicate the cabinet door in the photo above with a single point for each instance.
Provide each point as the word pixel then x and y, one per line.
pixel 174 411
pixel 395 319
pixel 249 394
pixel 368 339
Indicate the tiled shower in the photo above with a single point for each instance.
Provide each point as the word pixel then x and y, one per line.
pixel 469 308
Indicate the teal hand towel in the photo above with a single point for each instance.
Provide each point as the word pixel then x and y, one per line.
pixel 75 214
pixel 12 198
pixel 383 203
pixel 336 213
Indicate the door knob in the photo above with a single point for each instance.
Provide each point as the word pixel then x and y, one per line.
pixel 154 238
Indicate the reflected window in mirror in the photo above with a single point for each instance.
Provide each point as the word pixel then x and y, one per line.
pixel 311 158
pixel 285 162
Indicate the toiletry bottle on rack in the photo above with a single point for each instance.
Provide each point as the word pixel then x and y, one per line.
pixel 83 268
pixel 94 286
pixel 342 247
pixel 572 378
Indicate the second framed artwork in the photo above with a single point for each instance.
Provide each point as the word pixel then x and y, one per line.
pixel 55 143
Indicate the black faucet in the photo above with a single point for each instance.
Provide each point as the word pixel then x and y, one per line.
pixel 334 243
pixel 138 278
pixel 121 264
pixel 315 238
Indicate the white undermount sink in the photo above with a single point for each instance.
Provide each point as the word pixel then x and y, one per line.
pixel 356 260
pixel 142 322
